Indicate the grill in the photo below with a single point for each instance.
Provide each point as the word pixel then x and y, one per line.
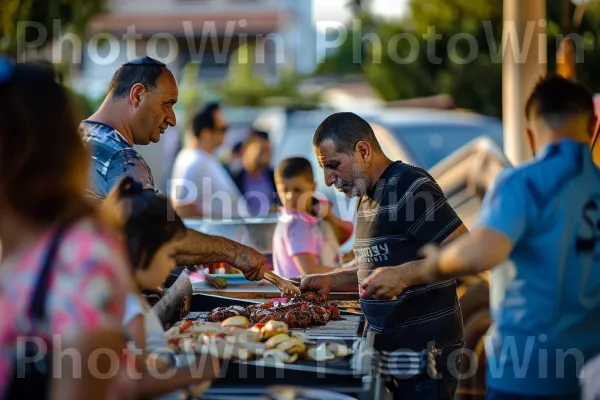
pixel 349 327
pixel 356 375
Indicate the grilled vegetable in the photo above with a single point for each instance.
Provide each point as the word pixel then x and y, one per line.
pixel 238 320
pixel 185 325
pixel 292 346
pixel 276 355
pixel 239 335
pixel 339 350
pixel 273 328
pixel 320 353
pixel 276 340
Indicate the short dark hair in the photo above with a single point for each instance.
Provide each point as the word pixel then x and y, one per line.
pixel 144 70
pixel 237 147
pixel 345 129
pixel 146 219
pixel 293 167
pixel 555 98
pixel 258 134
pixel 205 118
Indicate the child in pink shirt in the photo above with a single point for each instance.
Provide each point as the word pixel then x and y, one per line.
pixel 299 241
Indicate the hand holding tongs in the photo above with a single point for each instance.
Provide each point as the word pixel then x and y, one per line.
pixel 287 286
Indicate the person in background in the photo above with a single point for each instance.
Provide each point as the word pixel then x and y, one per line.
pixel 151 237
pixel 137 110
pixel 197 167
pixel 62 271
pixel 298 241
pixel 235 165
pixel 256 179
pixel 542 217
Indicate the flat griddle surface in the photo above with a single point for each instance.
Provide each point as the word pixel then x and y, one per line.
pixel 348 327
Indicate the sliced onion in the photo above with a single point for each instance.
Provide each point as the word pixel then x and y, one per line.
pixel 320 353
pixel 277 355
pixel 276 340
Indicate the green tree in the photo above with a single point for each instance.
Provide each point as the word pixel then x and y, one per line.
pixel 244 87
pixel 475 85
pixel 74 15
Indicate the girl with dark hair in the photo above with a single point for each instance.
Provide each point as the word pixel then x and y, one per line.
pixel 151 231
pixel 62 274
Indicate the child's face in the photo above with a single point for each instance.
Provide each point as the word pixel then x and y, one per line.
pixel 160 266
pixel 296 193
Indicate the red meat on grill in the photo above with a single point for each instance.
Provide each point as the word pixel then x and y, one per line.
pixel 299 312
pixel 297 319
pixel 334 311
pixel 222 313
pixel 319 314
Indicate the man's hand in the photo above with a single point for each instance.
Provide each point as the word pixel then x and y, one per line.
pixel 250 262
pixel 316 283
pixel 385 283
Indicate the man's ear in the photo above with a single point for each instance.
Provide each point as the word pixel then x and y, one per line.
pixel 364 151
pixel 136 93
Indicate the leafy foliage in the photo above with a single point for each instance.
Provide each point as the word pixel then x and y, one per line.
pixel 244 87
pixel 74 16
pixel 417 65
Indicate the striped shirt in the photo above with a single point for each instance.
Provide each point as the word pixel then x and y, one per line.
pixel 405 210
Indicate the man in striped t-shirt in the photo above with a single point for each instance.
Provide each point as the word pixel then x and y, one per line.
pixel 401 208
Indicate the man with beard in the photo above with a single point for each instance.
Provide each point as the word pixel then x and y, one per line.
pixel 401 208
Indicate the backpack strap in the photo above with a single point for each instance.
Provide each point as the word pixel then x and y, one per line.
pixel 37 308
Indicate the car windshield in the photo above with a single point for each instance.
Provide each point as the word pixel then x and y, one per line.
pixel 431 144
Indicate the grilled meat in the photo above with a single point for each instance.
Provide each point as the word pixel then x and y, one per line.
pixel 319 315
pixel 297 319
pixel 310 296
pixel 300 312
pixel 334 311
pixel 222 313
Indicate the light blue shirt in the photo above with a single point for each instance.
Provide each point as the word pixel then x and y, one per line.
pixel 548 324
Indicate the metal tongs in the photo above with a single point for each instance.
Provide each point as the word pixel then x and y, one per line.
pixel 287 286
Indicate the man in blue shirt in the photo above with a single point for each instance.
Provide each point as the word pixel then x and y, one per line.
pixel 137 110
pixel 543 217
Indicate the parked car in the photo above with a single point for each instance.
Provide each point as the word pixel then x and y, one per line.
pixel 421 137
pixel 432 135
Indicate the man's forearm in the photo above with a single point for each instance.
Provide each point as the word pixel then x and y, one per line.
pixel 344 280
pixel 199 248
pixel 469 255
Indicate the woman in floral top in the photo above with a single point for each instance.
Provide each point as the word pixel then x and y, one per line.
pixel 44 164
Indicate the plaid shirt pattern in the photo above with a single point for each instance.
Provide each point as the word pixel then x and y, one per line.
pixel 112 159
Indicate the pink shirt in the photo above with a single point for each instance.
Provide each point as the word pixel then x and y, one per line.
pixel 296 233
pixel 87 287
